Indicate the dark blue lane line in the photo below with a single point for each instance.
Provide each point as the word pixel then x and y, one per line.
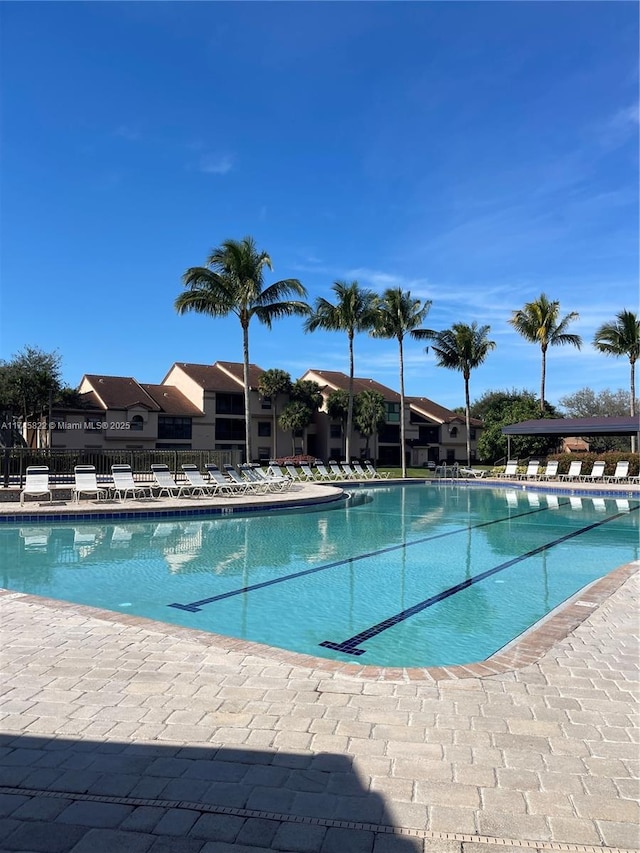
pixel 349 646
pixel 194 606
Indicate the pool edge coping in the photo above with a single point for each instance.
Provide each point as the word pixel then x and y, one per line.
pixel 535 642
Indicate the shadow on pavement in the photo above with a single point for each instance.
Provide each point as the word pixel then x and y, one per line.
pixel 60 795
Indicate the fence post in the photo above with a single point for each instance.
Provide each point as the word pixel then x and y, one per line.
pixel 5 467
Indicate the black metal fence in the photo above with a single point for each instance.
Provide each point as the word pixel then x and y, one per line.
pixel 61 462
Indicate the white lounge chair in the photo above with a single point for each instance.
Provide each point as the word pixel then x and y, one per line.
pixel 124 484
pixel 533 467
pixel 573 473
pixel 86 483
pixel 275 470
pixel 551 471
pixel 620 475
pixel 349 473
pixel 336 470
pixel 375 474
pixel 476 473
pixel 596 473
pixel 274 482
pixel 292 471
pixel 219 485
pixel 511 470
pixel 361 473
pixel 36 483
pixel 308 473
pixel 242 478
pixel 166 483
pixel 321 468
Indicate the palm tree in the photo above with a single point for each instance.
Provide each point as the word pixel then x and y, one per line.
pixel 353 312
pixel 622 337
pixel 399 316
pixel 271 384
pixel 463 348
pixel 232 282
pixel 370 414
pixel 539 323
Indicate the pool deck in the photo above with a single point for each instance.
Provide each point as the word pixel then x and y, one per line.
pixel 125 734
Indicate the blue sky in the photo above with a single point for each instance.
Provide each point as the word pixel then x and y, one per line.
pixel 476 154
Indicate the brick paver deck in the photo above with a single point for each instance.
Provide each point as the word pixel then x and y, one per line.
pixel 127 735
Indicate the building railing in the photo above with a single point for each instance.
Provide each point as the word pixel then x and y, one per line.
pixel 61 461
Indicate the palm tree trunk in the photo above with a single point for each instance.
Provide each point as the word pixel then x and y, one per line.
pixel 247 410
pixel 542 379
pixel 274 400
pixel 350 406
pixel 402 425
pixel 632 407
pixel 467 416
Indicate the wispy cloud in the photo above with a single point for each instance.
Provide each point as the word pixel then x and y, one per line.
pixel 619 127
pixel 126 131
pixel 216 164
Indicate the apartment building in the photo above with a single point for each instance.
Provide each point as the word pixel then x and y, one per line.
pixel 201 407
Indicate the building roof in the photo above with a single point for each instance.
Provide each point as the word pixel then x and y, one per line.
pixel 619 425
pixel 120 392
pixel 223 376
pixel 426 407
pixel 172 401
pixel 335 379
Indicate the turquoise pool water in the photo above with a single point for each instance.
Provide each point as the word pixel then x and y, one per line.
pixel 401 576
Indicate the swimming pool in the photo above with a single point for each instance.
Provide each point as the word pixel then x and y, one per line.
pixel 399 576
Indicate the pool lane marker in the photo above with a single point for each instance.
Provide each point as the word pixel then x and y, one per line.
pixel 350 646
pixel 196 606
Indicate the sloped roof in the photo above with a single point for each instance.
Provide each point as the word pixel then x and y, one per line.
pixel 224 376
pixel 236 370
pixel 425 406
pixel 172 401
pixel 337 379
pixel 120 392
pixel 619 425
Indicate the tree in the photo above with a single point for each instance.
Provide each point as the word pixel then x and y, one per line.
pixel 463 348
pixel 272 384
pixel 338 406
pixel 398 316
pixel 586 403
pixel 370 414
pixel 232 282
pixel 539 323
pixel 353 312
pixel 306 399
pixel 29 382
pixel 618 338
pixel 295 417
pixel 501 408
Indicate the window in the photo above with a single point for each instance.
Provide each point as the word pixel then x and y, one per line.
pixel 229 404
pixel 92 424
pixel 335 453
pixel 173 428
pixel 428 435
pixel 136 423
pixel 266 402
pixel 453 432
pixel 472 434
pixel 389 434
pixel 264 453
pixel 229 429
pixel 264 429
pixel 335 431
pixel 393 413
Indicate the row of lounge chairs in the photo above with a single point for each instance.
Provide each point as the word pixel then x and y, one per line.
pixel 245 480
pixel 534 471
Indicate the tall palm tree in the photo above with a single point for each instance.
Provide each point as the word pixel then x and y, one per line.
pixel 271 384
pixel 539 323
pixel 232 282
pixel 398 316
pixel 353 312
pixel 622 337
pixel 463 348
